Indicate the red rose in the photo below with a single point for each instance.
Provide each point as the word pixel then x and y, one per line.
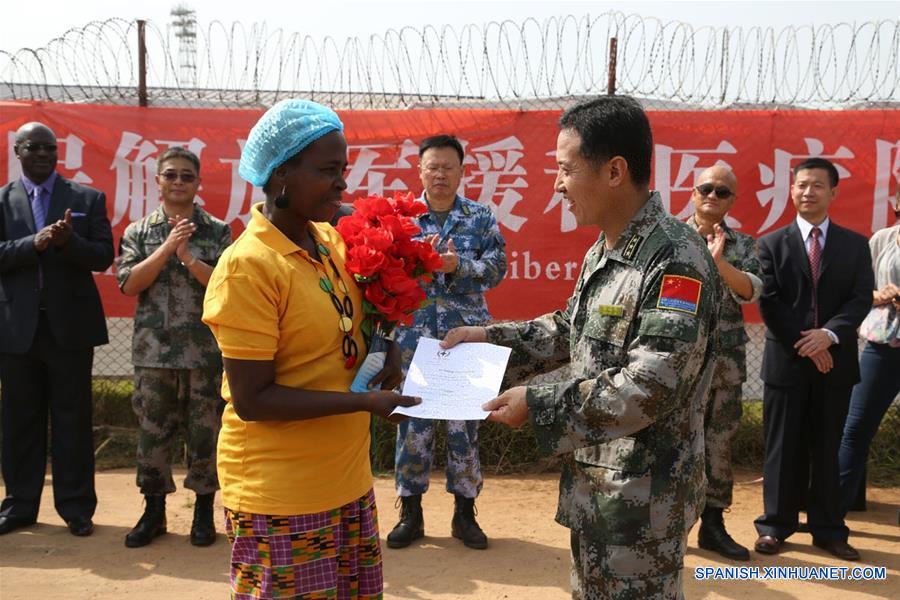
pixel 430 260
pixel 408 252
pixel 350 225
pixel 378 239
pixel 381 252
pixel 396 281
pixel 384 303
pixel 373 207
pixel 364 261
pixel 399 226
pixel 408 206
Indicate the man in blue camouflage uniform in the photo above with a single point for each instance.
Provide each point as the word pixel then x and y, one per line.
pixel 474 261
pixel 166 259
pixel 737 261
pixel 637 332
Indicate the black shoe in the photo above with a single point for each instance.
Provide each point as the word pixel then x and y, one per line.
pixel 840 549
pixel 9 524
pixel 152 523
pixel 412 524
pixel 203 529
pixel 713 536
pixel 464 526
pixel 767 544
pixel 81 526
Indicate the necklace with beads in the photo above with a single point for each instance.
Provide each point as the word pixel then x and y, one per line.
pixel 343 307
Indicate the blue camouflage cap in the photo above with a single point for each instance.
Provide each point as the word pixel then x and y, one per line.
pixel 282 132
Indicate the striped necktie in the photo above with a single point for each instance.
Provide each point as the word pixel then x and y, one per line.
pixel 815 262
pixel 38 209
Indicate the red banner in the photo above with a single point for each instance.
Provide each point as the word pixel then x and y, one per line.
pixel 510 165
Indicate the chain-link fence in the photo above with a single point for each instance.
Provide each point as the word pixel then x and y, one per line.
pixel 113 361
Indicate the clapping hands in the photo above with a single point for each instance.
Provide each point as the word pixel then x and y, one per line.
pixel 57 233
pixel 177 242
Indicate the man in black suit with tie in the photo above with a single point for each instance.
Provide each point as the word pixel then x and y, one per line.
pixel 817 289
pixel 53 233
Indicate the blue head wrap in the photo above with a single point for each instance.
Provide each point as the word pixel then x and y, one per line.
pixel 282 132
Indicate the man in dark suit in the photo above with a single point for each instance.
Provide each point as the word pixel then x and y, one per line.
pixel 817 289
pixel 53 233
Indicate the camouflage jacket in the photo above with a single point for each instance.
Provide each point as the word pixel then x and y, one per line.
pixel 456 299
pixel 168 332
pixel 638 333
pixel 731 357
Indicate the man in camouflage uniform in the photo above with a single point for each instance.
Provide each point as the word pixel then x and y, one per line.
pixel 474 261
pixel 738 264
pixel 637 332
pixel 166 259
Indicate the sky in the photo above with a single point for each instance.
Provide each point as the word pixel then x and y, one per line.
pixel 321 18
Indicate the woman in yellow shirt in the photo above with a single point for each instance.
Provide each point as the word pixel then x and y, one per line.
pixel 293 452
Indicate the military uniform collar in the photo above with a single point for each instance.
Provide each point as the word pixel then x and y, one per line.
pixel 730 235
pixel 158 216
pixel 640 227
pixel 456 208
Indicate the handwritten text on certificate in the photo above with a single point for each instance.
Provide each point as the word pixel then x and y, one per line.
pixel 453 383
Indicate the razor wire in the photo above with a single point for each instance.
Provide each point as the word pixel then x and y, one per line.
pixel 520 64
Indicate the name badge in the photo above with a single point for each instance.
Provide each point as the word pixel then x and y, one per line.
pixel 611 310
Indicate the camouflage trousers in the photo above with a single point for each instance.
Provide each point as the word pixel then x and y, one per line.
pixel 415 447
pixel 721 421
pixel 650 570
pixel 164 400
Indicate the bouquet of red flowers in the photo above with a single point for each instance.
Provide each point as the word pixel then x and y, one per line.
pixel 386 262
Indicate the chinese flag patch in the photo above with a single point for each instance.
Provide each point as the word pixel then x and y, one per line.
pixel 680 293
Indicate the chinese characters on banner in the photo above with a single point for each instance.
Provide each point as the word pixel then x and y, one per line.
pixel 510 166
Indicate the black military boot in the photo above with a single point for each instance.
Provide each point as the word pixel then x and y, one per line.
pixel 203 529
pixel 714 537
pixel 411 526
pixel 465 527
pixel 151 524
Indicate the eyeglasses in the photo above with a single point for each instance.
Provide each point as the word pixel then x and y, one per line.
pixel 38 147
pixel 435 169
pixel 173 175
pixel 722 192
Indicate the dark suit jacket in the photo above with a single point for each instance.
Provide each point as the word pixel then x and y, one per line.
pixel 844 296
pixel 72 302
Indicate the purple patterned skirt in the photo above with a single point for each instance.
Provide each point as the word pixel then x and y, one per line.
pixel 331 554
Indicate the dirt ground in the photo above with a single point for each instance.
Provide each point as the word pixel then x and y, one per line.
pixel 528 557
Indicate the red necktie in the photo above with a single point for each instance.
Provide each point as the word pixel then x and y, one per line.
pixel 815 261
pixel 815 253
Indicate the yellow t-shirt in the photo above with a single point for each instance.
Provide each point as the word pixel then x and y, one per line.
pixel 263 302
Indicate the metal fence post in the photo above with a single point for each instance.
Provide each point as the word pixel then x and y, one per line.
pixel 142 62
pixel 611 80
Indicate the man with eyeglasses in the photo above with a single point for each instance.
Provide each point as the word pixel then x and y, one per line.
pixel 474 260
pixel 166 259
pixel 737 262
pixel 53 234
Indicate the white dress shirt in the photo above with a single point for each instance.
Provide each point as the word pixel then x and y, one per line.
pixel 805 229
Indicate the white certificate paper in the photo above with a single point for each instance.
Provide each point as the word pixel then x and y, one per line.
pixel 454 383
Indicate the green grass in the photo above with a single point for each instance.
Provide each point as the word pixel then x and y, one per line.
pixel 112 402
pixel 748 446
